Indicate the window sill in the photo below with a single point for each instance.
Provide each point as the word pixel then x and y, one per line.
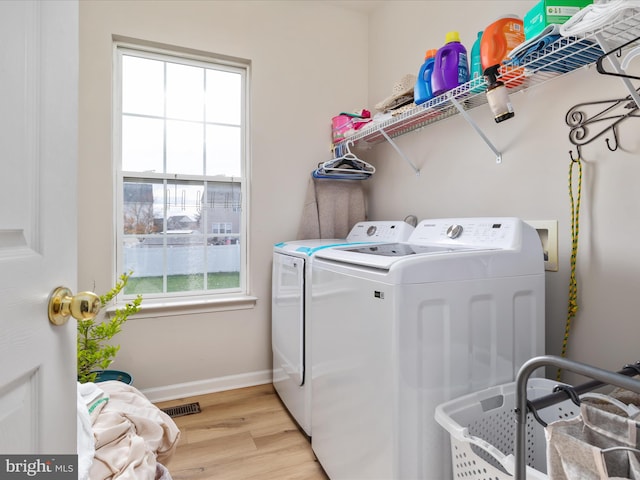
pixel 160 308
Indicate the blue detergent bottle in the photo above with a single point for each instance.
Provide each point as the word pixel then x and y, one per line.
pixel 423 91
pixel 476 71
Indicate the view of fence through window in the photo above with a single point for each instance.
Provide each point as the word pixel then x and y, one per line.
pixel 181 175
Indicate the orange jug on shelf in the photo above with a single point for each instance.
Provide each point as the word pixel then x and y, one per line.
pixel 498 40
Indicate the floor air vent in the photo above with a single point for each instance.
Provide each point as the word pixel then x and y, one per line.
pixel 181 410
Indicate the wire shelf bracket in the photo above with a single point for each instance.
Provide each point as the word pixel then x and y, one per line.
pixel 416 170
pixel 478 130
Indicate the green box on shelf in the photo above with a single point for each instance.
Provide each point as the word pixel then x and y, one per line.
pixel 547 12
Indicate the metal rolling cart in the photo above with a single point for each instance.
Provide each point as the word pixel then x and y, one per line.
pixel 486 442
pixel 524 406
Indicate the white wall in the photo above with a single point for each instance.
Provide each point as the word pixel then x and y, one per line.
pixel 308 62
pixel 460 177
pixel 311 60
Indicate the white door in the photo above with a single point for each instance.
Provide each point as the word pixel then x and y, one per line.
pixel 38 156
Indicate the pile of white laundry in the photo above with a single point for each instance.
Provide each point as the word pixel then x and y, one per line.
pixel 594 16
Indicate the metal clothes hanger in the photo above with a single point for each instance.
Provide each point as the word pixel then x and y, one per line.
pixel 345 166
pixel 625 62
pixel 350 159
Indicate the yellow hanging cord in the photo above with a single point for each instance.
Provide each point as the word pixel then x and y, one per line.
pixel 573 283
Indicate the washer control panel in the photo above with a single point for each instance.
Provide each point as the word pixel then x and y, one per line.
pixel 499 232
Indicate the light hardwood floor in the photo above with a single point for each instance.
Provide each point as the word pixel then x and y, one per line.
pixel 243 434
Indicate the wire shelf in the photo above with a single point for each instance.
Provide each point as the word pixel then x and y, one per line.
pixel 563 56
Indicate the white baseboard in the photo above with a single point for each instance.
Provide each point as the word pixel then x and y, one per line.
pixel 201 387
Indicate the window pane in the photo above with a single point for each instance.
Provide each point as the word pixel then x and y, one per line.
pixel 184 204
pixel 223 151
pixel 185 145
pixel 185 92
pixel 185 242
pixel 224 97
pixel 142 209
pixel 144 256
pixel 223 210
pixel 142 144
pixel 185 262
pixel 221 218
pixel 142 86
pixel 223 262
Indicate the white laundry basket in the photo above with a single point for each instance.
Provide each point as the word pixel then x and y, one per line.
pixel 482 431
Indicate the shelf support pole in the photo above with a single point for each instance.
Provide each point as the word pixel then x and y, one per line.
pixel 397 149
pixel 475 126
pixel 616 66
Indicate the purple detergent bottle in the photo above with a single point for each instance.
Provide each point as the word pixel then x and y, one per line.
pixel 451 67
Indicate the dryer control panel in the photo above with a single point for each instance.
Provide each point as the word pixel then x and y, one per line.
pixel 383 231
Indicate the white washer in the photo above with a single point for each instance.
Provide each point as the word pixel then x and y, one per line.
pixel 291 289
pixel 399 328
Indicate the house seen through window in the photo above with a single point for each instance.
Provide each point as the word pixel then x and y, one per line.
pixel 181 183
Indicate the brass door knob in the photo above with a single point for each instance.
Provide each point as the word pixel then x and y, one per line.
pixel 62 303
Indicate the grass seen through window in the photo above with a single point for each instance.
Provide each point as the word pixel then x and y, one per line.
pixel 181 283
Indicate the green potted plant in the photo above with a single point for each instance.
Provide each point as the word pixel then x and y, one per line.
pixel 95 352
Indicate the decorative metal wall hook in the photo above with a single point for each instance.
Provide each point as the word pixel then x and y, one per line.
pixel 579 115
pixel 571 155
pixel 591 120
pixel 615 137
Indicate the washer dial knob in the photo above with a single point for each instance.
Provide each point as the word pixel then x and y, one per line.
pixel 372 230
pixel 454 231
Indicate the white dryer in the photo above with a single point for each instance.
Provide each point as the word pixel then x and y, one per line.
pixel 399 328
pixel 291 290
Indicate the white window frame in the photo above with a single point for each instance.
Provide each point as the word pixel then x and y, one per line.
pixel 199 301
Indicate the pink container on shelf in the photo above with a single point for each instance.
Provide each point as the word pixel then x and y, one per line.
pixel 341 127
